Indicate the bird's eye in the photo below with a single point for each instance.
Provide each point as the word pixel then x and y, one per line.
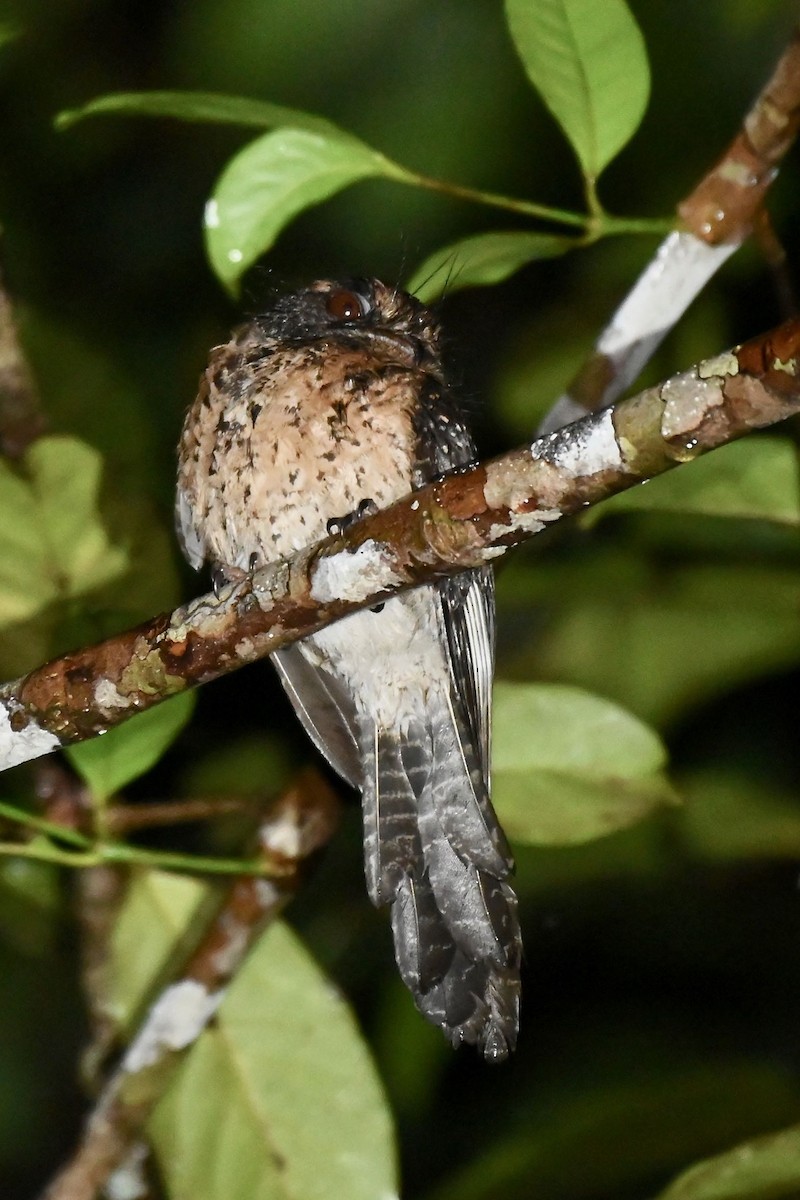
pixel 344 305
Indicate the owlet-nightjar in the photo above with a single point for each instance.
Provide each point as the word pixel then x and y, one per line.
pixel 330 404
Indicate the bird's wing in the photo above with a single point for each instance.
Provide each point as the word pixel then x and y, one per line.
pixel 325 710
pixel 187 527
pixel 468 613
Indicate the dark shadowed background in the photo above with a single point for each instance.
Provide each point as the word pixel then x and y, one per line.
pixel 663 963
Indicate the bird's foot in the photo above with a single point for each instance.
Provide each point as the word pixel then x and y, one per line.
pixel 222 574
pixel 337 525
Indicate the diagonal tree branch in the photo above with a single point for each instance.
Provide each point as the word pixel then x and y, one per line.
pixel 464 520
pixel 718 216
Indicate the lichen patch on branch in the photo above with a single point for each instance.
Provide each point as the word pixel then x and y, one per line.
pixel 352 574
pixel 174 1022
pixel 21 738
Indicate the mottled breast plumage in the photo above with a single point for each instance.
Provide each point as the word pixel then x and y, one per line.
pixel 288 431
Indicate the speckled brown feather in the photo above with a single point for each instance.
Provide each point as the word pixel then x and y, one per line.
pixel 303 416
pixel 339 432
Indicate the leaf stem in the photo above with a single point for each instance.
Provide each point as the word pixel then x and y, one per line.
pixel 595 223
pixel 42 825
pixel 85 854
pixel 526 208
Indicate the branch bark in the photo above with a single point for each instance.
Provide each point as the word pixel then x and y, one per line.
pixel 464 520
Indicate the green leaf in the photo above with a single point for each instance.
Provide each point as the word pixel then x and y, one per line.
pixel 156 915
pixel 569 766
pixel 53 543
pixel 765 1168
pixel 110 762
pixel 757 478
pixel 272 180
pixel 280 1100
pixel 198 106
pixel 483 259
pixel 588 61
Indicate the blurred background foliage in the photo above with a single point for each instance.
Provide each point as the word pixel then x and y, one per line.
pixel 663 965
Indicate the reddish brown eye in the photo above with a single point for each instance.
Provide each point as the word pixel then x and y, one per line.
pixel 345 306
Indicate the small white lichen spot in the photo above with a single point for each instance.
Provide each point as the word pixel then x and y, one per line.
pixel 721 364
pixel 737 173
pixel 107 695
pixel 23 745
pixel 687 400
pixel 283 837
pixel 592 448
pixel 211 215
pixel 352 576
pixel 129 1181
pixel 522 522
pixel 267 893
pixel 230 953
pixel 176 1020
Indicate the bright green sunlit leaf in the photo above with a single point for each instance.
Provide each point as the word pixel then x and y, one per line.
pixel 273 179
pixel 198 106
pixel 588 61
pixel 483 259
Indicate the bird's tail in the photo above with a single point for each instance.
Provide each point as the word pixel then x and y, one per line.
pixel 435 852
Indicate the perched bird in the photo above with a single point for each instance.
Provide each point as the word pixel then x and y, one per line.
pixel 329 405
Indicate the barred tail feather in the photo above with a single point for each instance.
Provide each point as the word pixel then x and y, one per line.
pixel 434 852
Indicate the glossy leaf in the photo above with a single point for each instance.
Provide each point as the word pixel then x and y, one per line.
pixel 198 106
pixel 483 259
pixel 765 1168
pixel 757 477
pixel 588 61
pixel 244 1117
pixel 272 180
pixel 569 766
pixel 109 763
